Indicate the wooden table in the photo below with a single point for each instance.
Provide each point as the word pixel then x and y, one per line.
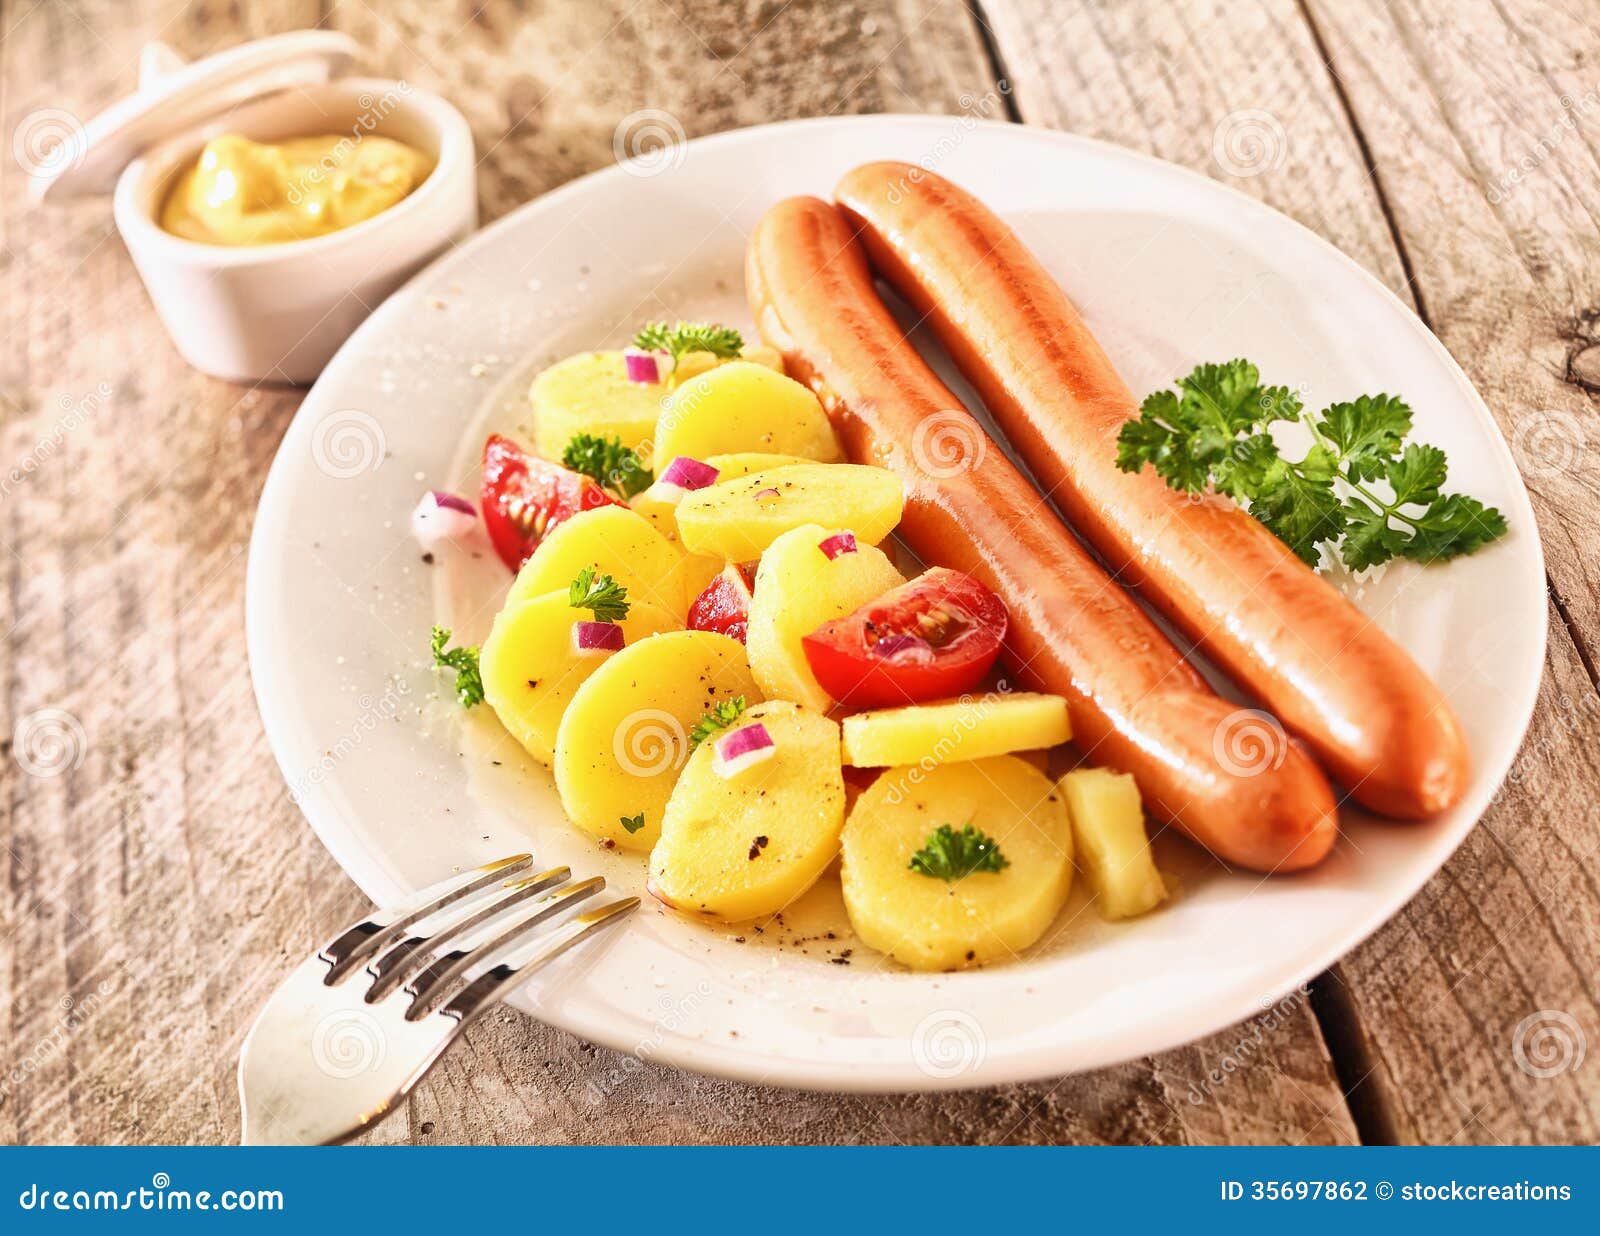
pixel 157 880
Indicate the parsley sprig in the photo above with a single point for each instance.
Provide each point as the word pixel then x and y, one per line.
pixel 464 661
pixel 600 594
pixel 614 466
pixel 948 855
pixel 685 337
pixel 1361 484
pixel 719 718
pixel 631 823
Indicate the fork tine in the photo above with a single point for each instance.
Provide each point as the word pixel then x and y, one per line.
pixel 354 944
pixel 427 986
pixel 495 982
pixel 398 963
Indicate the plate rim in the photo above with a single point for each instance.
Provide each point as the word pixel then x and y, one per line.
pixel 374 874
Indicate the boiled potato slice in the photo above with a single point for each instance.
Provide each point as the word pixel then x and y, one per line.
pixel 1108 829
pixel 693 364
pixel 929 923
pixel 661 507
pixel 530 669
pixel 615 541
pixel 742 406
pixel 743 846
pixel 742 463
pixel 698 569
pixel 970 728
pixel 798 588
pixel 738 519
pixel 625 735
pixel 590 393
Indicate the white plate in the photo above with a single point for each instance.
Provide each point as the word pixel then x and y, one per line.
pixel 1171 269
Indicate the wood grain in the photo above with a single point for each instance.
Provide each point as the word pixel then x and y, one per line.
pixel 165 883
pixel 1394 151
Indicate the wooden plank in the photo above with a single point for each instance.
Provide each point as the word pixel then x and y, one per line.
pixel 166 883
pixel 152 893
pixel 1438 997
pixel 1481 119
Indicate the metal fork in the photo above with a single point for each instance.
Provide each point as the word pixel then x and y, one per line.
pixel 360 1022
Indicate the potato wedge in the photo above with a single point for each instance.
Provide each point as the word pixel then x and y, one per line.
pixel 970 728
pixel 625 735
pixel 614 541
pixel 737 520
pixel 798 588
pixel 929 923
pixel 1113 849
pixel 739 847
pixel 531 670
pixel 591 393
pixel 742 406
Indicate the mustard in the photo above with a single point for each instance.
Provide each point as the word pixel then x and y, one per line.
pixel 241 192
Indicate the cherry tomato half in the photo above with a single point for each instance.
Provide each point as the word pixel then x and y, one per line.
pixel 724 606
pixel 934 637
pixel 523 497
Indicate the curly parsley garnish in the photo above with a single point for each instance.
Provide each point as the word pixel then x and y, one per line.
pixel 719 718
pixel 599 594
pixel 686 337
pixel 464 661
pixel 1360 481
pixel 948 855
pixel 614 466
pixel 632 823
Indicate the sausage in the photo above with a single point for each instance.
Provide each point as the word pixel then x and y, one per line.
pixel 1228 778
pixel 1375 720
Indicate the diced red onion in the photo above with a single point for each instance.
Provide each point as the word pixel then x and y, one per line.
pixel 688 473
pixel 454 501
pixel 741 748
pixel 893 645
pixel 666 491
pixel 769 492
pixel 441 517
pixel 596 637
pixel 642 366
pixel 839 543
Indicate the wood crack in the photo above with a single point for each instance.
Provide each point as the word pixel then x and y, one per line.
pixel 1390 222
pixel 997 61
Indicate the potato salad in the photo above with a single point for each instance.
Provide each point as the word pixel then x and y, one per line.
pixel 713 642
